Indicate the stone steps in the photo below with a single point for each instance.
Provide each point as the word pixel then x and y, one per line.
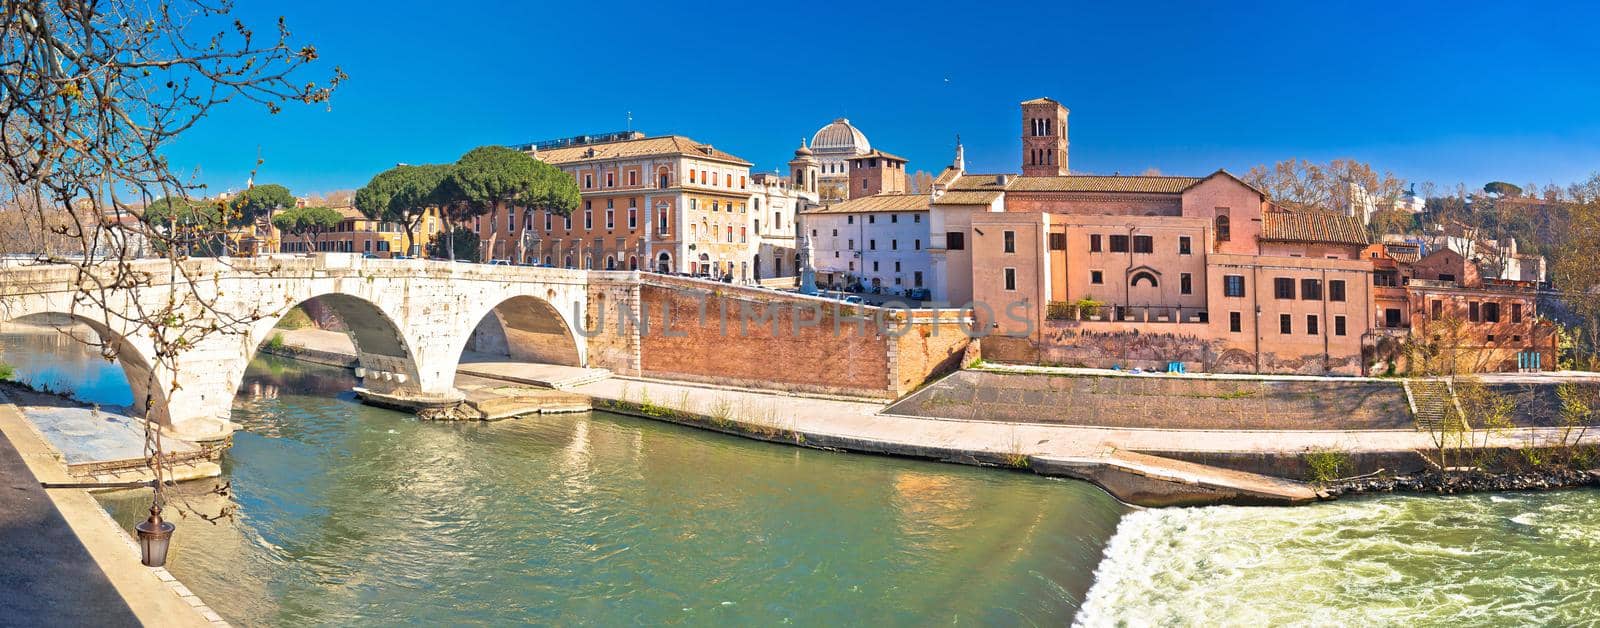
pixel 1431 402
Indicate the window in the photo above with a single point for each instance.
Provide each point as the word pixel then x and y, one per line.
pixel 1235 322
pixel 918 244
pixel 1310 290
pixel 1386 278
pixel 588 219
pixel 611 180
pixel 955 241
pixel 872 220
pixel 1094 243
pixel 742 235
pixel 1283 288
pixel 1338 326
pixel 1058 241
pixel 547 215
pixel 1391 317
pixel 1336 290
pixel 1143 276
pixel 1183 245
pixel 1516 312
pixel 633 218
pixel 1011 241
pixel 894 217
pixel 897 267
pixel 1491 312
pixel 916 218
pixel 1143 244
pixel 611 218
pixel 1119 244
pixel 852 244
pixel 1097 277
pixel 1233 286
pixel 588 181
pixel 1223 229
pixel 1185 284
pixel 874 266
pixel 1437 310
pixel 916 278
pixel 1285 324
pixel 1447 277
pixel 661 218
pixel 872 244
pixel 633 179
pixel 1311 324
pixel 894 245
pixel 849 220
pixel 1472 312
pixel 1011 279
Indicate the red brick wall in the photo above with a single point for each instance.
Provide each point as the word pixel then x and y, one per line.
pixel 835 356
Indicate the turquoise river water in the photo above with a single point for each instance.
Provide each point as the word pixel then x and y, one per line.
pixel 352 515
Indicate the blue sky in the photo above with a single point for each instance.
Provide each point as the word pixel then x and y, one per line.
pixel 1431 91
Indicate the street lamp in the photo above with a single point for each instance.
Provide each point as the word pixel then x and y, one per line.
pixel 154 536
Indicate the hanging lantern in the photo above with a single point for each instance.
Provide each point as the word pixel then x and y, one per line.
pixel 154 536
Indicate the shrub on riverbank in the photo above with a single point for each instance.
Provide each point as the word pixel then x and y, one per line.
pixel 1326 464
pixel 6 372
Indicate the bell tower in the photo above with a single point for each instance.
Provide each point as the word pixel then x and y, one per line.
pixel 1044 138
pixel 804 170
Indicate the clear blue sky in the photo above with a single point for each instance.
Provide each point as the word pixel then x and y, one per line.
pixel 1445 92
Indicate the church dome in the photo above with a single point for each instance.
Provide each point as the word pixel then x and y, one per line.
pixel 839 134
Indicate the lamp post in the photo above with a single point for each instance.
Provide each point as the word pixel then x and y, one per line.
pixel 154 537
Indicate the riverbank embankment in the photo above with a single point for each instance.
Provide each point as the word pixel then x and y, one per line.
pixel 67 562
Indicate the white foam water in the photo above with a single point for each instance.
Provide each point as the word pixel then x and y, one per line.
pixel 1508 559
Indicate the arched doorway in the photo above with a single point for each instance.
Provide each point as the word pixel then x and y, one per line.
pixel 664 263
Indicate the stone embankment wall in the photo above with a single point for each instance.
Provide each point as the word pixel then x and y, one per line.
pixel 720 334
pixel 1158 401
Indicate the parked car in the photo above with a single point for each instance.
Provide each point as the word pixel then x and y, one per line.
pixel 854 300
pixel 499 262
pixel 919 294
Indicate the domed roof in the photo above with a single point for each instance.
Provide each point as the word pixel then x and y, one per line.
pixel 839 134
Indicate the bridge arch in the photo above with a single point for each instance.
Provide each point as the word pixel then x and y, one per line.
pixel 524 328
pixel 143 380
pixel 383 352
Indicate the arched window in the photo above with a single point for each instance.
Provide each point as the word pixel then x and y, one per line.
pixel 664 262
pixel 1223 233
pixel 611 263
pixel 569 261
pixel 663 179
pixel 547 260
pixel 1143 275
pixel 633 263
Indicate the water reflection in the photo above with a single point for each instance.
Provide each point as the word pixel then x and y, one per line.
pixel 65 359
pixel 350 514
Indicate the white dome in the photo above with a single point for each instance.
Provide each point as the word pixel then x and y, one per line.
pixel 838 135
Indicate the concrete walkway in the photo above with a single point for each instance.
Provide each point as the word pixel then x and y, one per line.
pixel 65 561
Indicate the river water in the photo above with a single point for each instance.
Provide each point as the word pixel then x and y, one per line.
pixel 353 515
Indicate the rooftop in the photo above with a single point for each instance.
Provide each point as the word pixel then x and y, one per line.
pixel 641 147
pixel 1312 225
pixel 876 203
pixel 840 134
pixel 880 154
pixel 1100 183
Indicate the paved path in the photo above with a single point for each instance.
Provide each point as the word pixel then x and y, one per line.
pixel 48 578
pixel 63 561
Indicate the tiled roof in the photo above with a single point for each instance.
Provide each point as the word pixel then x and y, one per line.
pixel 1405 253
pixel 878 153
pixel 650 146
pixel 1313 226
pixel 1036 101
pixel 982 182
pixel 1113 183
pixel 968 197
pixel 876 203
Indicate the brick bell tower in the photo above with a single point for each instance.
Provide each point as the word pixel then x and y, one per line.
pixel 1044 138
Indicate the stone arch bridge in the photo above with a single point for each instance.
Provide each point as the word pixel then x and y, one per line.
pixel 410 321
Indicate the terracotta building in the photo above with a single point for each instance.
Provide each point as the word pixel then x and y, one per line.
pixel 1161 272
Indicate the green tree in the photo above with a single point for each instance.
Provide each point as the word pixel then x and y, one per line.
pixel 491 178
pixel 1502 189
pixel 403 195
pixel 191 226
pixel 1576 274
pixel 307 222
pixel 457 243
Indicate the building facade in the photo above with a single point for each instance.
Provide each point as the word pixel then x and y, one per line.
pixel 1199 273
pixel 872 243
